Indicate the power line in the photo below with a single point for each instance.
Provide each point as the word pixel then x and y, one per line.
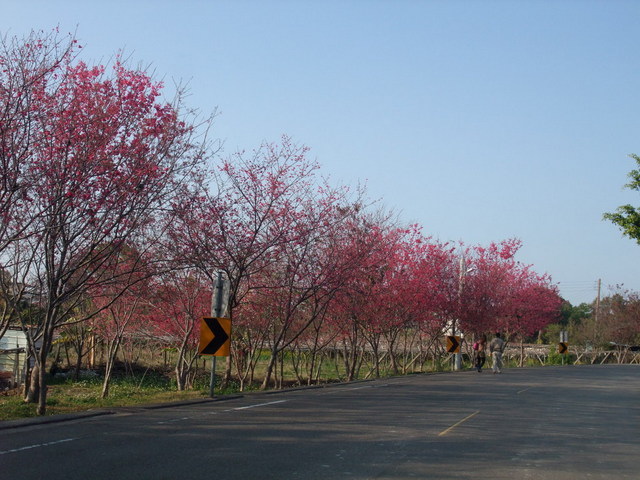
pixel 583 285
pixel 579 288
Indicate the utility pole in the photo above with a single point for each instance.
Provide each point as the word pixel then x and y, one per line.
pixel 457 363
pixel 597 312
pixel 457 360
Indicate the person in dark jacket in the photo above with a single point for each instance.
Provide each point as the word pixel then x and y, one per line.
pixel 481 357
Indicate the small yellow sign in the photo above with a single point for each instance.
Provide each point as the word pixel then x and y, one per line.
pixel 215 336
pixel 453 344
pixel 563 347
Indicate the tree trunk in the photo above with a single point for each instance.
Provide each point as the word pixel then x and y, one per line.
pixel 226 378
pixel 269 372
pixel 108 369
pixel 33 389
pixel 39 375
pixel 184 369
pixel 181 378
pixel 42 393
pixel 78 361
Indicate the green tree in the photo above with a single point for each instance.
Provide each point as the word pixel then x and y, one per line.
pixel 576 314
pixel 627 217
pixel 574 319
pixel 619 318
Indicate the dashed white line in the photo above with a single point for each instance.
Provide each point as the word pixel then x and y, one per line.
pixel 174 420
pixel 260 405
pixel 37 445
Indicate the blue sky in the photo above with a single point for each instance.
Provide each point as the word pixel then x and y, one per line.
pixel 479 120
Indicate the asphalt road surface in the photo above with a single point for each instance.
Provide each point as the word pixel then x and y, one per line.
pixel 538 423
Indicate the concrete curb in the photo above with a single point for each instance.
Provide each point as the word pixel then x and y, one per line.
pixel 67 417
pixel 156 406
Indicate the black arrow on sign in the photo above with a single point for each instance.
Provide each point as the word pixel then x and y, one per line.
pixel 453 344
pixel 562 347
pixel 219 336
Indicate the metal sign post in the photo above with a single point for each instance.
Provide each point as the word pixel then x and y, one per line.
pixel 216 311
pixel 563 345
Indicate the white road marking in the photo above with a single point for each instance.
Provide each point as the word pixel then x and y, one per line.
pixel 37 445
pixel 260 405
pixel 174 420
pixel 339 390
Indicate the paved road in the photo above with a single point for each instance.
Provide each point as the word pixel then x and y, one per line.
pixel 540 423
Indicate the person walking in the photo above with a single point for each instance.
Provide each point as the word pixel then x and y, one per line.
pixel 496 347
pixel 480 348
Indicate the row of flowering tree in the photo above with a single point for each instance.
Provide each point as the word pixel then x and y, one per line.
pixel 313 270
pixel 117 214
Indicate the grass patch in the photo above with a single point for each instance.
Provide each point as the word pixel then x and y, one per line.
pixel 68 396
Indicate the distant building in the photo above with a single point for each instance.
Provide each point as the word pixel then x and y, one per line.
pixel 13 348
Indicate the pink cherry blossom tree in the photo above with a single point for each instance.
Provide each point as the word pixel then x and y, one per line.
pixel 180 298
pixel 297 287
pixel 25 64
pixel 240 222
pixel 502 294
pixel 102 157
pixel 121 305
